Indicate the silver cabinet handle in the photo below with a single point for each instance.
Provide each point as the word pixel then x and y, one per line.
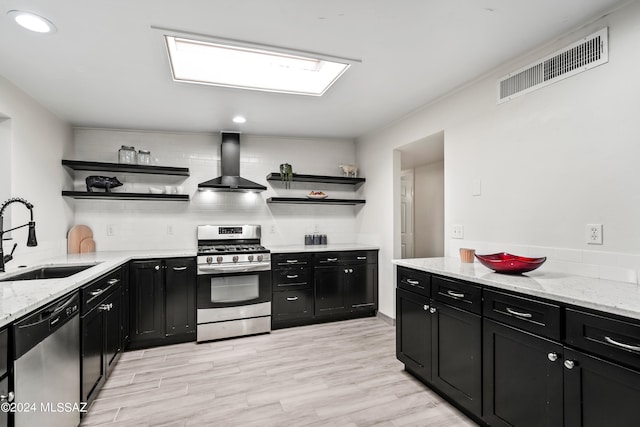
pixel 553 356
pixel 621 344
pixel 7 397
pixel 292 276
pixel 455 294
pixel 432 310
pixel 425 307
pixel 112 281
pixel 105 307
pixel 569 364
pixel 157 267
pixel 292 298
pixel 332 259
pixel 96 292
pixel 361 257
pixel 183 268
pixel 292 261
pixel 519 313
pixel 413 282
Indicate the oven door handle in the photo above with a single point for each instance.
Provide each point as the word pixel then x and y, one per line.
pixel 205 269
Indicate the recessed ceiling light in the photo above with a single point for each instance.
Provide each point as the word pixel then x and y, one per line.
pixel 239 119
pixel 32 22
pixel 220 64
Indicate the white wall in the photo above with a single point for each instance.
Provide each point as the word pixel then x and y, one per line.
pixel 39 140
pixel 549 162
pixel 144 224
pixel 429 210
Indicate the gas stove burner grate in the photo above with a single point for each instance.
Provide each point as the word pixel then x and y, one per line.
pixel 231 249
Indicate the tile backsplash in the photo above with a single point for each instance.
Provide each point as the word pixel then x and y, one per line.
pixel 172 225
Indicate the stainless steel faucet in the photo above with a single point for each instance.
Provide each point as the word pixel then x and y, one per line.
pixel 31 238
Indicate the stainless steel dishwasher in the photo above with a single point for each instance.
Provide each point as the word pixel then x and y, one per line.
pixel 47 365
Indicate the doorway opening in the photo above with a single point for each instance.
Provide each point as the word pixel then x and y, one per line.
pixel 422 197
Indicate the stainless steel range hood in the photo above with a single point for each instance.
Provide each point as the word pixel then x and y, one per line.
pixel 230 165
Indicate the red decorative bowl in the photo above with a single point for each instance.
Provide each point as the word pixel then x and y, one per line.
pixel 510 264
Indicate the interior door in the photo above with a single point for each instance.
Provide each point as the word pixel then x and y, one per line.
pixel 406 216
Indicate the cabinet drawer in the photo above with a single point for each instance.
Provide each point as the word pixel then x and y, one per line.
pixel 290 278
pixel 292 304
pixel 457 293
pixel 535 316
pixel 604 336
pixel 286 260
pixel 97 290
pixel 322 259
pixel 414 280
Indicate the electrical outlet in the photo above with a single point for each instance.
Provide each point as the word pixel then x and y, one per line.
pixel 170 229
pixel 273 229
pixel 457 232
pixel 111 230
pixel 594 234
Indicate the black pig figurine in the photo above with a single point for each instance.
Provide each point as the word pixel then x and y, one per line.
pixel 102 182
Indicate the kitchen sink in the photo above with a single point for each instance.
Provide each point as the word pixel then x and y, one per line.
pixel 50 272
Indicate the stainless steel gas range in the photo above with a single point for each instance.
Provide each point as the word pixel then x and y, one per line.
pixel 234 282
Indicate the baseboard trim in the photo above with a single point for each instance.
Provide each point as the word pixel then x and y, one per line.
pixel 386 319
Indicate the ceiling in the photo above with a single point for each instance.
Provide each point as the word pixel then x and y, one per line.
pixel 107 67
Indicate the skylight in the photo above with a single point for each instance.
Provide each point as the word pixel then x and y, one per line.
pixel 195 61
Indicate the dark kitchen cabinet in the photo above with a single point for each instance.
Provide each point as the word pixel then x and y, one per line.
pixel 180 299
pixel 457 355
pixel 292 299
pixel 522 378
pixel 599 393
pixel 414 326
pixel 313 287
pixel 163 301
pixel 101 332
pixel 438 335
pixel 345 282
pixel 330 290
pixel 147 300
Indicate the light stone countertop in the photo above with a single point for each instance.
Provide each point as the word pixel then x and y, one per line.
pixel 605 295
pixel 21 297
pixel 280 249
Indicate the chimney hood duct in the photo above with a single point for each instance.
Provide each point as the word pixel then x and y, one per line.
pixel 230 165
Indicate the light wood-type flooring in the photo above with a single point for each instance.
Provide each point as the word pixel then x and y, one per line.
pixel 332 374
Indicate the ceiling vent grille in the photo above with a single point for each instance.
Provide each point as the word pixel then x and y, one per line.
pixel 573 59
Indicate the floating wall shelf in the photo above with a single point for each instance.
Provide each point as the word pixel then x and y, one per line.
pixel 125 196
pixel 275 176
pixel 307 201
pixel 79 165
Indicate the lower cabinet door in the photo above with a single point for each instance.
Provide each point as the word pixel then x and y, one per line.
pixel 113 331
pixel 413 333
pixel 180 296
pixel 522 378
pixel 330 290
pixel 599 393
pixel 457 356
pixel 93 366
pixel 293 304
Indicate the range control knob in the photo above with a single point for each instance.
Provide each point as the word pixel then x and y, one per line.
pixel 209 260
pixel 250 258
pixel 219 259
pixel 235 258
pixel 260 258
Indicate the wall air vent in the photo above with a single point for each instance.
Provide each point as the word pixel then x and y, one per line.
pixel 581 56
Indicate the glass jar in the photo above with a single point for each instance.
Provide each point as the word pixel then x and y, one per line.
pixel 144 157
pixel 127 155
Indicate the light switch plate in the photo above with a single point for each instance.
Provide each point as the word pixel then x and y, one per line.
pixel 476 187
